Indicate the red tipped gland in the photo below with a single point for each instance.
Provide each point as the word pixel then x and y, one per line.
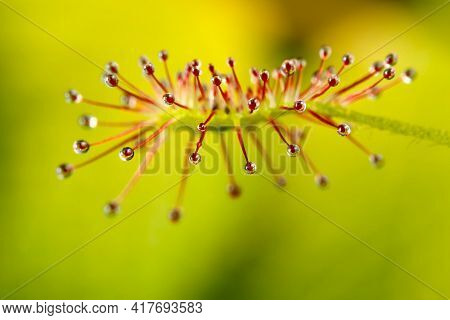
pixel 126 154
pixel 201 127
pixel 264 75
pixel 148 69
pixel 195 158
pixel 169 99
pixel 344 129
pixel 321 180
pixel 163 55
pixel 324 52
pixel 80 146
pixel 196 71
pixel 234 190
pixel 347 59
pixel 175 215
pixel 287 67
pixel 408 76
pixel 72 96
pixel 253 104
pixel 112 67
pixel 64 171
pixel 216 80
pixel 377 66
pixel 293 150
pixel 111 208
pixel 333 81
pixel 300 106
pixel 111 80
pixel 250 168
pixel 389 73
pixel 391 59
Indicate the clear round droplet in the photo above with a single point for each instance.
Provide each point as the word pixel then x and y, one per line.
pixel 293 150
pixel 281 181
pixel 64 171
pixel 195 158
pixel 201 127
pixel 126 154
pixel 112 67
pixel 111 208
pixel 344 130
pixel 88 121
pixel 175 215
pixel 253 104
pixel 376 160
pixel 391 59
pixel 111 80
pixel 234 190
pixel 250 168
pixel 168 99
pixel 300 106
pixel 325 52
pixel 321 180
pixel 73 96
pixel 80 146
pixel 333 80
pixel 408 76
pixel 128 101
pixel 348 59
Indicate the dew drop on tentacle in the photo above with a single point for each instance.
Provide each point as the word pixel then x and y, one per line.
pixel 325 52
pixel 333 80
pixel 377 66
pixel 73 96
pixel 234 190
pixel 81 146
pixel 111 80
pixel 195 158
pixel 347 59
pixel 64 171
pixel 168 99
pixel 87 121
pixel 112 67
pixel 163 55
pixel 300 106
pixel 196 71
pixel 216 80
pixel 111 208
pixel 174 215
pixel 253 104
pixel 408 76
pixel 264 75
pixel 344 129
pixel 148 69
pixel 201 127
pixel 281 181
pixel 288 67
pixel 376 160
pixel 126 154
pixel 143 60
pixel 389 73
pixel 250 168
pixel 391 59
pixel 128 101
pixel 321 180
pixel 293 150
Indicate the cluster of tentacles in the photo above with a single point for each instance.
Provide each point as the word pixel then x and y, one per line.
pixel 216 98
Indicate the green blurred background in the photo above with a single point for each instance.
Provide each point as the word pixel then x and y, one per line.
pixel 264 245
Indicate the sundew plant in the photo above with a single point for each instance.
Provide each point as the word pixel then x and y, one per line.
pixel 215 102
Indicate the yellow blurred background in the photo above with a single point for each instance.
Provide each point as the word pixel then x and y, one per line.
pixel 266 245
